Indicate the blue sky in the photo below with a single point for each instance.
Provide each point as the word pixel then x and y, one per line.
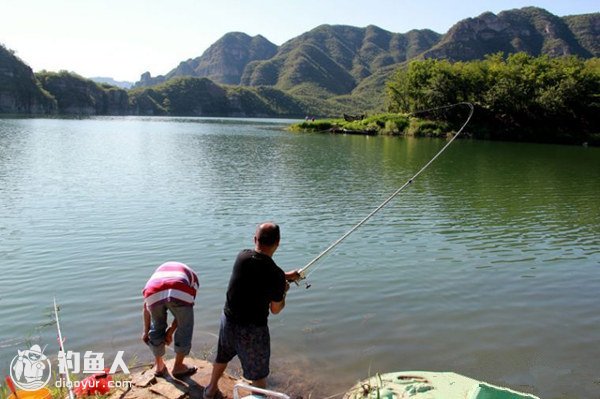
pixel 124 38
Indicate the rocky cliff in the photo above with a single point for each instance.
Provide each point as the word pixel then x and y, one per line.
pixel 19 90
pixel 532 30
pixel 75 95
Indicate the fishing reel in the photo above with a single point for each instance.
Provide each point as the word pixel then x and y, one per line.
pixel 305 284
pixel 302 278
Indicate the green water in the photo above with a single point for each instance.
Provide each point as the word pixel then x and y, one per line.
pixel 488 265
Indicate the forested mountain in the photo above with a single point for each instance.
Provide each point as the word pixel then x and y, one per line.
pixel 328 70
pixel 75 95
pixel 586 29
pixel 336 58
pixel 200 96
pixel 223 62
pixel 333 60
pixel 531 30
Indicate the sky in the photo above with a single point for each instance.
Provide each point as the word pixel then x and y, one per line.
pixel 124 38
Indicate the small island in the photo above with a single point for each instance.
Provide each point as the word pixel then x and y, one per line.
pixel 390 124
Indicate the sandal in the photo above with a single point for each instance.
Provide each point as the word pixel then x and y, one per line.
pixel 163 373
pixel 186 373
pixel 205 394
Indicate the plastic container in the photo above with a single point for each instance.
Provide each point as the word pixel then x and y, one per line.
pixel 42 393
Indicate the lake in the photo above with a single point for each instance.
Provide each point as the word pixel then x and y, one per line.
pixel 487 265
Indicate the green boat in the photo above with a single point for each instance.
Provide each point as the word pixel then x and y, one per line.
pixel 429 385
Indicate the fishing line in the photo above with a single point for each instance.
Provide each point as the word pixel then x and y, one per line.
pixel 305 271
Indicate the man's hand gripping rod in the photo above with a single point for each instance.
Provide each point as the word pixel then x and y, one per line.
pixel 302 275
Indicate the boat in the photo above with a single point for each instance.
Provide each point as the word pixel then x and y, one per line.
pixel 352 118
pixel 429 385
pixel 409 385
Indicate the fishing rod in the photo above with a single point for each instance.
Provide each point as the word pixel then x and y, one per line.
pixel 305 271
pixel 62 349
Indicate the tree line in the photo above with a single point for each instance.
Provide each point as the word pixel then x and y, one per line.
pixel 519 97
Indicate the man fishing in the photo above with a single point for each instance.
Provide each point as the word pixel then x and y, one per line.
pixel 172 287
pixel 256 286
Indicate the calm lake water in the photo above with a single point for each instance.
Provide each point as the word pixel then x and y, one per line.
pixel 488 265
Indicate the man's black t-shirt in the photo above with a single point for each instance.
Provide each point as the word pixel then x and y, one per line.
pixel 255 282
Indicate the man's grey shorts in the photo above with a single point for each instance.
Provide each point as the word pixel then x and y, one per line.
pixel 184 314
pixel 251 344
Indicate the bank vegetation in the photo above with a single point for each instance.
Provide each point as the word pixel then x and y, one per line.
pixel 520 97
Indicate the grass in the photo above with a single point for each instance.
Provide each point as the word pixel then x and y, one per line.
pixel 383 124
pixel 427 128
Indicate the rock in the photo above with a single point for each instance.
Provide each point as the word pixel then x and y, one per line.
pixel 170 389
pixel 142 394
pixel 146 386
pixel 144 379
pixel 118 393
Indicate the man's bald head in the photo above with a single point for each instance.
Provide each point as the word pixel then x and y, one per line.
pixel 267 234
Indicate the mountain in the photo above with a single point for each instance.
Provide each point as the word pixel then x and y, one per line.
pixel 329 70
pixel 336 58
pixel 202 97
pixel 347 64
pixel 223 62
pixel 19 89
pixel 586 28
pixel 532 30
pixel 75 95
pixel 23 92
pixel 112 82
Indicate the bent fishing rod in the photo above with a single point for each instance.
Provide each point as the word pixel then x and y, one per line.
pixel 305 271
pixel 61 347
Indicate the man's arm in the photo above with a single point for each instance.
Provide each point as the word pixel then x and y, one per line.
pixel 277 307
pixel 169 333
pixel 146 318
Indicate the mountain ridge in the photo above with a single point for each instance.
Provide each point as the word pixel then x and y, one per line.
pixel 329 70
pixel 222 62
pixel 112 82
pixel 532 30
pixel 337 59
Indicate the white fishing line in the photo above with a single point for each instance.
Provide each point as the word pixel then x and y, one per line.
pixel 310 267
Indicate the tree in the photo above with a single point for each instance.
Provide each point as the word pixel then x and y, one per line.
pixel 539 98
